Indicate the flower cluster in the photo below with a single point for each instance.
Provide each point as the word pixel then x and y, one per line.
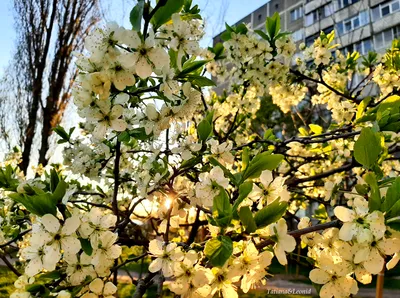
pixel 200 184
pixel 352 253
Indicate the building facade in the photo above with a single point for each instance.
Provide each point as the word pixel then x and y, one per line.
pixel 361 25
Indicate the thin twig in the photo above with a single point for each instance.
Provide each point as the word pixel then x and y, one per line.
pixel 298 233
pixel 15 238
pixel 116 179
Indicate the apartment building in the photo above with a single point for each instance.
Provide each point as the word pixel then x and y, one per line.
pixel 361 25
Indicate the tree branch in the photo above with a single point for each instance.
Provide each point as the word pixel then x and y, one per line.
pixel 116 179
pixel 298 233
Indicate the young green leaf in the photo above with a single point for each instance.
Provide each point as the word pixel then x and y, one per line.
pixel 86 246
pixel 218 250
pixel 244 190
pixel 200 81
pixel 270 213
pixel 135 17
pixel 273 25
pixel 191 66
pixel 222 209
pixel 165 12
pixel 367 148
pixel 374 200
pixel 392 196
pixel 263 161
pixel 204 130
pixel 246 217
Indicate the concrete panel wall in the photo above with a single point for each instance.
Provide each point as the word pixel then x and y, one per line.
pixel 386 22
pixel 354 36
pixel 310 6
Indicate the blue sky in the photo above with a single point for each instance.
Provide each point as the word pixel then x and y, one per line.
pixel 215 12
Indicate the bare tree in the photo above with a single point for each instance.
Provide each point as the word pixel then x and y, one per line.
pixel 36 89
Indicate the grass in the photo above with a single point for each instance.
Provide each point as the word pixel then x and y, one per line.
pixel 7 279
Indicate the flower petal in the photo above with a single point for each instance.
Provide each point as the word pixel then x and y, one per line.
pixel 347 231
pixel 109 289
pixel 96 286
pixel 375 262
pixel 156 265
pixel 319 276
pixel 71 225
pixel 344 214
pixel 51 223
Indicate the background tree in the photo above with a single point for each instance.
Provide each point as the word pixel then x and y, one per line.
pixel 36 87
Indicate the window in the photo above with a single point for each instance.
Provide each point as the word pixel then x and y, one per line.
pixel 363 47
pixel 344 3
pixel 395 6
pixel 353 23
pixel 384 39
pixel 367 46
pixel 396 32
pixel 296 13
pixel 310 39
pixel 328 9
pixel 319 13
pixel 298 35
pixel 385 9
pixel 311 18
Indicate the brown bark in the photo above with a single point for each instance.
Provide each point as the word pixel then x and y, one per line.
pixel 36 87
pixel 37 36
pixel 75 19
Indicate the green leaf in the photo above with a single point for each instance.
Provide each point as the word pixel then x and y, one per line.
pixel 59 192
pixel 192 66
pixel 61 132
pixel 54 275
pixel 39 204
pixel 191 162
pixel 263 161
pixel 200 81
pixel 209 117
pixel 218 250
pixel 218 50
pixel 124 137
pixel 395 210
pixel 226 35
pixel 245 158
pixel 246 217
pixel 222 209
pixel 273 25
pixel 316 129
pixel 54 179
pixel 390 105
pixel 139 134
pixel 394 223
pixel 270 213
pixel 262 34
pixel 204 130
pixel 86 246
pixel 367 148
pixel 392 196
pixel 216 163
pixel 362 189
pixel 35 288
pixel 362 106
pixel 165 12
pixel 244 189
pixel 135 17
pixel 7 178
pixel 374 200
